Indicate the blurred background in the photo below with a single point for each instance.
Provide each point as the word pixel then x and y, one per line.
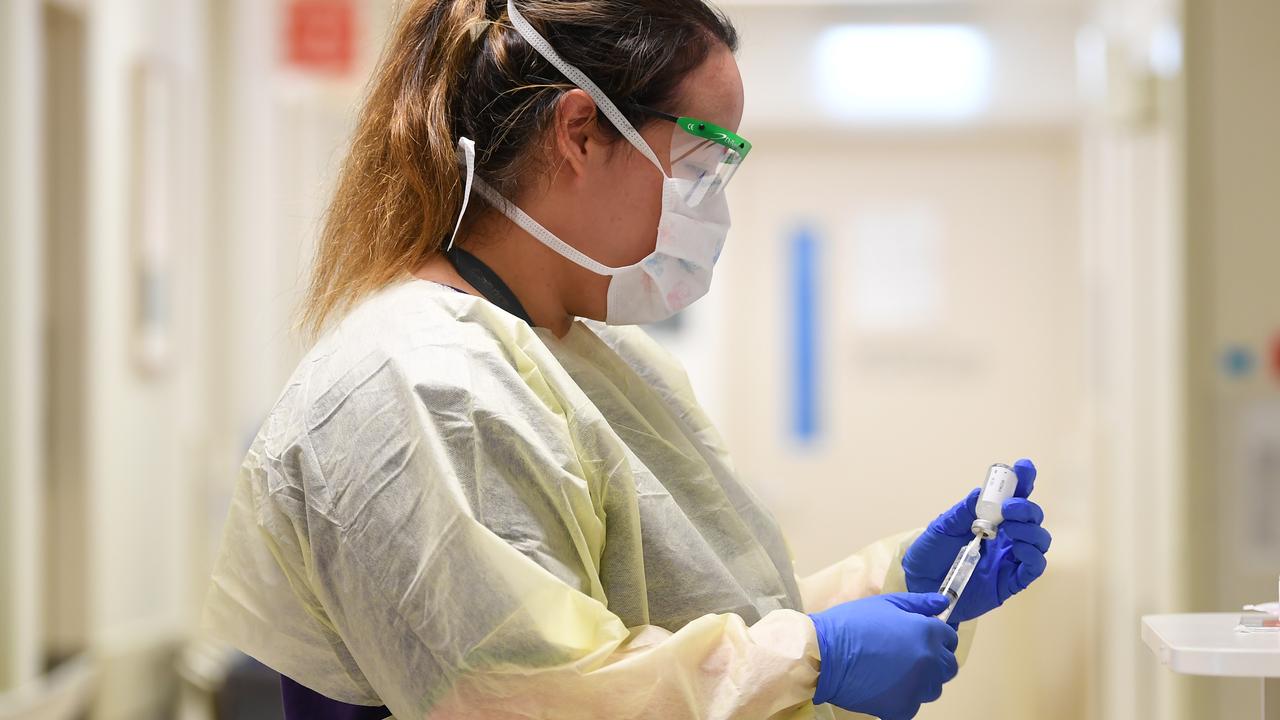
pixel 971 230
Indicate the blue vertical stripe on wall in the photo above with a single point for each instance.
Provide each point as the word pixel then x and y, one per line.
pixel 804 335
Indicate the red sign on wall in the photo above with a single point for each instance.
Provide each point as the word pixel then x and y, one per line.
pixel 320 35
pixel 1275 356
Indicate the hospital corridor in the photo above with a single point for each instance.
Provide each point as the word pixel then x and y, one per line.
pixel 1027 246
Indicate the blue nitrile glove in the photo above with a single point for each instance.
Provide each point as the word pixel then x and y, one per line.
pixel 884 655
pixel 1010 560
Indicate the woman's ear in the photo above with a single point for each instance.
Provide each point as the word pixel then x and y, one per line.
pixel 576 132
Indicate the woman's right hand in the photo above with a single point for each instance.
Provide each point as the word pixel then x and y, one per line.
pixel 885 655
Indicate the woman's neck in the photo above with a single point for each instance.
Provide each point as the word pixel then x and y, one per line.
pixel 534 273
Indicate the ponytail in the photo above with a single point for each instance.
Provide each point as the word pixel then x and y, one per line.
pixel 399 185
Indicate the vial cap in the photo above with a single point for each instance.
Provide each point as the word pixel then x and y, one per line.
pixel 985 528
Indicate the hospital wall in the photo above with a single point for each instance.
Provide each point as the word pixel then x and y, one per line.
pixel 1233 309
pixel 1073 264
pixel 103 444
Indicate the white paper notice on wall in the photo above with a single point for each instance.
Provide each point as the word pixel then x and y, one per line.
pixel 1258 469
pixel 897 269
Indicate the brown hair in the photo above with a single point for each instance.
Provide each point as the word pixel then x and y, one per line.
pixel 399 190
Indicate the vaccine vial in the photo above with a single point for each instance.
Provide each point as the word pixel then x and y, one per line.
pixel 1001 483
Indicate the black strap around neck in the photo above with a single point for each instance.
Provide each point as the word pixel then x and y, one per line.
pixel 484 279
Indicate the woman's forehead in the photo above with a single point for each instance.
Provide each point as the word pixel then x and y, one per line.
pixel 713 91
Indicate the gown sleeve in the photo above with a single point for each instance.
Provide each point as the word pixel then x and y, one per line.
pixel 874 570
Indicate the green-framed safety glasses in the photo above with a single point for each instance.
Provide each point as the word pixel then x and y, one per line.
pixel 702 153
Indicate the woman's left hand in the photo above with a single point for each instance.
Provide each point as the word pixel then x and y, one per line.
pixel 1010 561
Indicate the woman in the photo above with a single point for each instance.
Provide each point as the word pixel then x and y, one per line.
pixel 473 499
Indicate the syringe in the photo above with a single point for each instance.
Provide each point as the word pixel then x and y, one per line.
pixel 1001 483
pixel 958 576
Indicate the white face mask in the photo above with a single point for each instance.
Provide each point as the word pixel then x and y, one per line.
pixel 690 238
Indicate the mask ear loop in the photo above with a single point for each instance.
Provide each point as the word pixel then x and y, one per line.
pixel 579 78
pixel 525 222
pixel 467 157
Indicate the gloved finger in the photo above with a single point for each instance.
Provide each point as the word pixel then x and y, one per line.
pixel 1026 472
pixel 1022 510
pixel 1028 554
pixel 950 667
pixel 907 713
pixel 931 693
pixel 1021 532
pixel 958 521
pixel 1031 564
pixel 928 604
pixel 946 635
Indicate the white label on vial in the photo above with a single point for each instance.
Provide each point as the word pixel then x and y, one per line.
pixel 999 484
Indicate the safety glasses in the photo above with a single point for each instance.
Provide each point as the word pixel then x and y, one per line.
pixel 702 153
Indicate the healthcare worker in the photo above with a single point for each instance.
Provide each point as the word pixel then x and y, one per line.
pixel 484 493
